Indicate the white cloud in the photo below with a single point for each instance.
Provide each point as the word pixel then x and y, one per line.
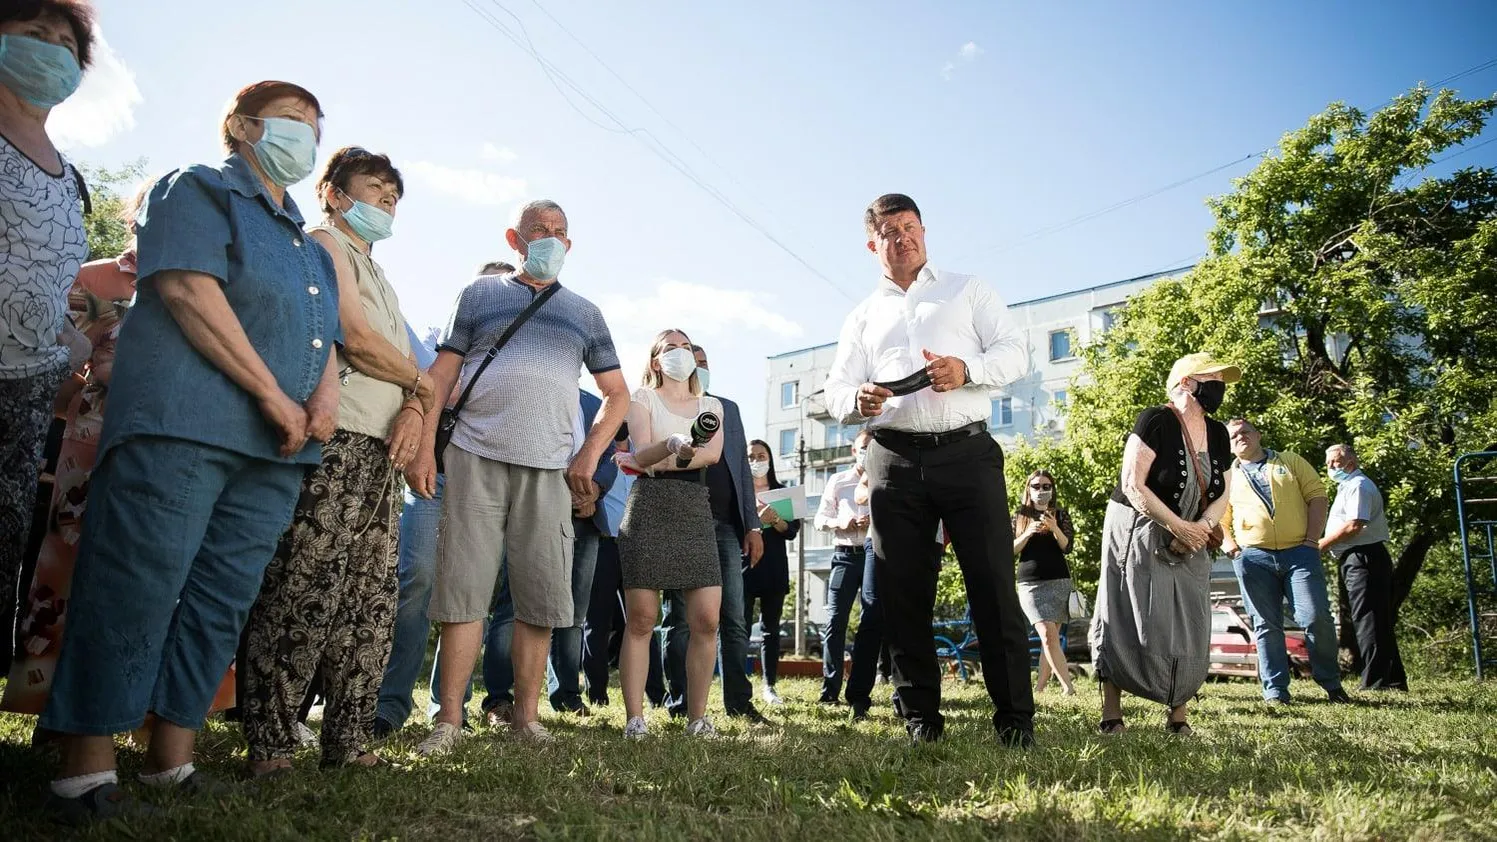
pixel 718 319
pixel 103 106
pixel 698 308
pixel 474 186
pixel 502 154
pixel 966 54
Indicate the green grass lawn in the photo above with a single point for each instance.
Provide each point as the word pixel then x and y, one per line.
pixel 1421 766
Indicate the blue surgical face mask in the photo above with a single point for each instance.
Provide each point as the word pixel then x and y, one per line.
pixel 43 74
pixel 544 257
pixel 1339 475
pixel 372 224
pixel 704 377
pixel 287 151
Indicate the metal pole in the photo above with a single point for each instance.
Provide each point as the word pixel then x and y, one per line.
pixel 800 551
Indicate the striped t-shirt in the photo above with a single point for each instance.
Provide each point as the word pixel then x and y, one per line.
pixel 521 410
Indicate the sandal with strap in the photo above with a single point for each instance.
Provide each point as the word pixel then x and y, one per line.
pixel 1112 726
pixel 259 770
pixel 355 759
pixel 1182 729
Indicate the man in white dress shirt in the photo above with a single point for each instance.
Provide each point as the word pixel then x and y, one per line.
pixel 847 520
pixel 949 337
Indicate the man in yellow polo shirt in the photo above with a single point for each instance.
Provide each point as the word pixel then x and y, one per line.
pixel 1276 512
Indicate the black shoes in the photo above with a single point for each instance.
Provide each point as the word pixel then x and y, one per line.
pixel 752 714
pixel 923 733
pixel 1016 738
pixel 1339 696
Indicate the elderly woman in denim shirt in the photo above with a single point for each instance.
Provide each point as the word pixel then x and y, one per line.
pixel 224 376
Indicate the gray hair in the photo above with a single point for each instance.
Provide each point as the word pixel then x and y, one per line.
pixel 1341 450
pixel 496 267
pixel 534 207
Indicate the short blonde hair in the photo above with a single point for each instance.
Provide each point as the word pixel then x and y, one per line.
pixel 652 379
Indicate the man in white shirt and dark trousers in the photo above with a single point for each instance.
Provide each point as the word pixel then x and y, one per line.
pixel 949 337
pixel 1356 533
pixel 847 520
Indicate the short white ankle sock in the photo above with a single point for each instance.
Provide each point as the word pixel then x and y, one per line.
pixel 76 786
pixel 170 777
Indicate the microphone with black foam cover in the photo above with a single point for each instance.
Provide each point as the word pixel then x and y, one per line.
pixel 702 431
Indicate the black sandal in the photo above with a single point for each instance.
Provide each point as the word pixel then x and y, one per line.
pixel 1112 726
pixel 1182 729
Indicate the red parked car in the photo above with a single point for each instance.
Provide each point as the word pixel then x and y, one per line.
pixel 1234 651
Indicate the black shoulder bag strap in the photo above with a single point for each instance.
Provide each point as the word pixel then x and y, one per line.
pixel 448 421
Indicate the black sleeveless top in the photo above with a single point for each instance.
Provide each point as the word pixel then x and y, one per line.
pixel 1159 428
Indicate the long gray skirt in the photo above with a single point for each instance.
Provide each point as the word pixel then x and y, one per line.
pixel 667 539
pixel 1151 633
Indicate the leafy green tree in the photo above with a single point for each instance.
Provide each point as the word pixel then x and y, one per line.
pixel 1359 295
pixel 111 192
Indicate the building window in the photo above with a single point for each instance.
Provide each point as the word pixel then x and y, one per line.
pixel 833 435
pixel 841 435
pixel 789 394
pixel 1060 345
pixel 1109 318
pixel 1062 398
pixel 787 442
pixel 1003 412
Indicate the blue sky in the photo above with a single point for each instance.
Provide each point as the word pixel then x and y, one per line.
pixel 1000 118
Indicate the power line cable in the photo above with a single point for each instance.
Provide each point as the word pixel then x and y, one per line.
pixel 641 97
pixel 1055 228
pixel 647 138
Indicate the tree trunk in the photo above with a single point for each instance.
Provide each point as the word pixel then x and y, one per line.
pixel 1406 568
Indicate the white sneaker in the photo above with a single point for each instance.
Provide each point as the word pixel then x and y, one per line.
pixel 534 733
pixel 636 729
pixel 304 735
pixel 771 697
pixel 701 728
pixel 441 741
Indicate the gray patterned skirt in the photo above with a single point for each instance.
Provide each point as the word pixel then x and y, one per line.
pixel 667 539
pixel 1151 633
pixel 1046 600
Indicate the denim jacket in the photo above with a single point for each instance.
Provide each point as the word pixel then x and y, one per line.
pixel 221 221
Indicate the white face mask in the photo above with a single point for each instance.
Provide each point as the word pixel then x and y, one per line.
pixel 678 364
pixel 759 469
pixel 1043 497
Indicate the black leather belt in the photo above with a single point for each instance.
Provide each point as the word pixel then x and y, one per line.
pixel 925 441
pixel 698 477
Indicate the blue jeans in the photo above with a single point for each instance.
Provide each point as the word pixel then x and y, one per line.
pixel 174 547
pixel 732 633
pixel 418 570
pixel 1268 578
pixel 566 643
pixel 869 642
pixel 843 590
